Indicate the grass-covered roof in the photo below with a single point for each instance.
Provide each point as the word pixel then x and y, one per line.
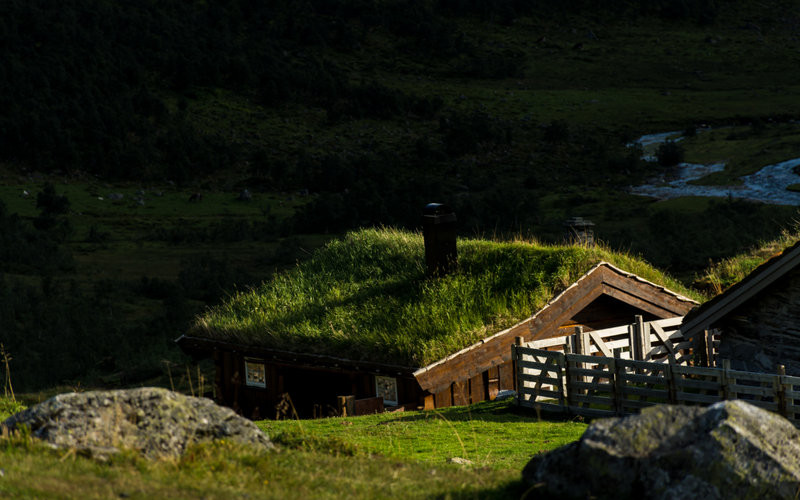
pixel 366 297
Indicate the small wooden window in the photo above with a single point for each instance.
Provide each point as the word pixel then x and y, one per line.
pixel 386 387
pixel 256 374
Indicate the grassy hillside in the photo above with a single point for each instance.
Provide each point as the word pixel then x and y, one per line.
pixel 365 296
pixel 515 113
pixel 726 272
pixel 381 456
pixel 96 280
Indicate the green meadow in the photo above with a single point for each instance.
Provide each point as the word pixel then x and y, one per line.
pixel 379 456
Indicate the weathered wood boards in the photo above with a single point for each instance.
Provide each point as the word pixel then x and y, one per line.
pixel 603 386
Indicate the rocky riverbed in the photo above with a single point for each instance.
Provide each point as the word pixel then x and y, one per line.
pixel 768 185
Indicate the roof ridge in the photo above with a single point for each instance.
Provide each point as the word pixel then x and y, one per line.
pixel 648 282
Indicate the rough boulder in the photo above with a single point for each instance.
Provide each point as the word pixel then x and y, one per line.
pixel 729 450
pixel 156 422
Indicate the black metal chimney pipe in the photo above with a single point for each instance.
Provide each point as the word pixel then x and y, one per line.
pixel 439 230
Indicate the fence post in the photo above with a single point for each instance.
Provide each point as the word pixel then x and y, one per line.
pixel 710 346
pixel 780 389
pixel 581 347
pixel 569 377
pixel 563 394
pixel 701 348
pixel 615 395
pixel 347 405
pixel 670 376
pixel 723 379
pixel 516 357
pixel 642 338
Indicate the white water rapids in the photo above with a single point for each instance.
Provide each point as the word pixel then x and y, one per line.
pixel 768 185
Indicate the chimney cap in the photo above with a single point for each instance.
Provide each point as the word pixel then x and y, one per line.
pixel 435 209
pixel 578 222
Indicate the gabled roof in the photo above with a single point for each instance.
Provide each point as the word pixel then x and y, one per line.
pixel 705 316
pixel 602 279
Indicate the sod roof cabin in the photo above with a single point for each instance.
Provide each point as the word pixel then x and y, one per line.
pixel 758 318
pixel 363 318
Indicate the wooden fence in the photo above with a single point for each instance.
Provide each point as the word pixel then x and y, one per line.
pixel 660 340
pixel 606 386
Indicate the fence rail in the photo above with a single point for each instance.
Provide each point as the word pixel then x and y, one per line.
pixel 660 340
pixel 605 386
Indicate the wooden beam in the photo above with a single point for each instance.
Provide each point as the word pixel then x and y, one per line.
pixel 664 338
pixel 637 302
pixel 573 300
pixel 461 393
pixel 601 345
pixel 648 292
pixel 493 382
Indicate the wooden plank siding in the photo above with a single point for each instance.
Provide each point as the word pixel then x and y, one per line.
pixel 477 389
pixel 443 399
pixel 506 376
pixel 461 395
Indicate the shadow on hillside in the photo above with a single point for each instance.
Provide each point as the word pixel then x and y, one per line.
pixel 514 489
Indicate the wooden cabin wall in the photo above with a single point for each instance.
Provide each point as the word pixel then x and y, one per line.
pixel 605 312
pixel 482 387
pixel 313 390
pixel 765 331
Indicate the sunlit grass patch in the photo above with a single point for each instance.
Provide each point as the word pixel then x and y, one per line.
pixel 222 470
pixel 489 434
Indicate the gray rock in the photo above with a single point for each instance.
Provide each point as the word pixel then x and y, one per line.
pixel 505 394
pixel 729 450
pixel 459 461
pixel 155 422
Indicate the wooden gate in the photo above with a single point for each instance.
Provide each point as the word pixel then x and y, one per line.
pixel 660 340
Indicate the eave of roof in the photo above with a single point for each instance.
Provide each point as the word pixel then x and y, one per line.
pixel 705 316
pixel 200 345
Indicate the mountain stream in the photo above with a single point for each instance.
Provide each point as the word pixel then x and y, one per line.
pixel 768 185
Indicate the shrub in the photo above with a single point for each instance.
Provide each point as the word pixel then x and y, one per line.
pixel 669 154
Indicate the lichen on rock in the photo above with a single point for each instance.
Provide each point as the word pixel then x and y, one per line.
pixel 730 450
pixel 156 422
